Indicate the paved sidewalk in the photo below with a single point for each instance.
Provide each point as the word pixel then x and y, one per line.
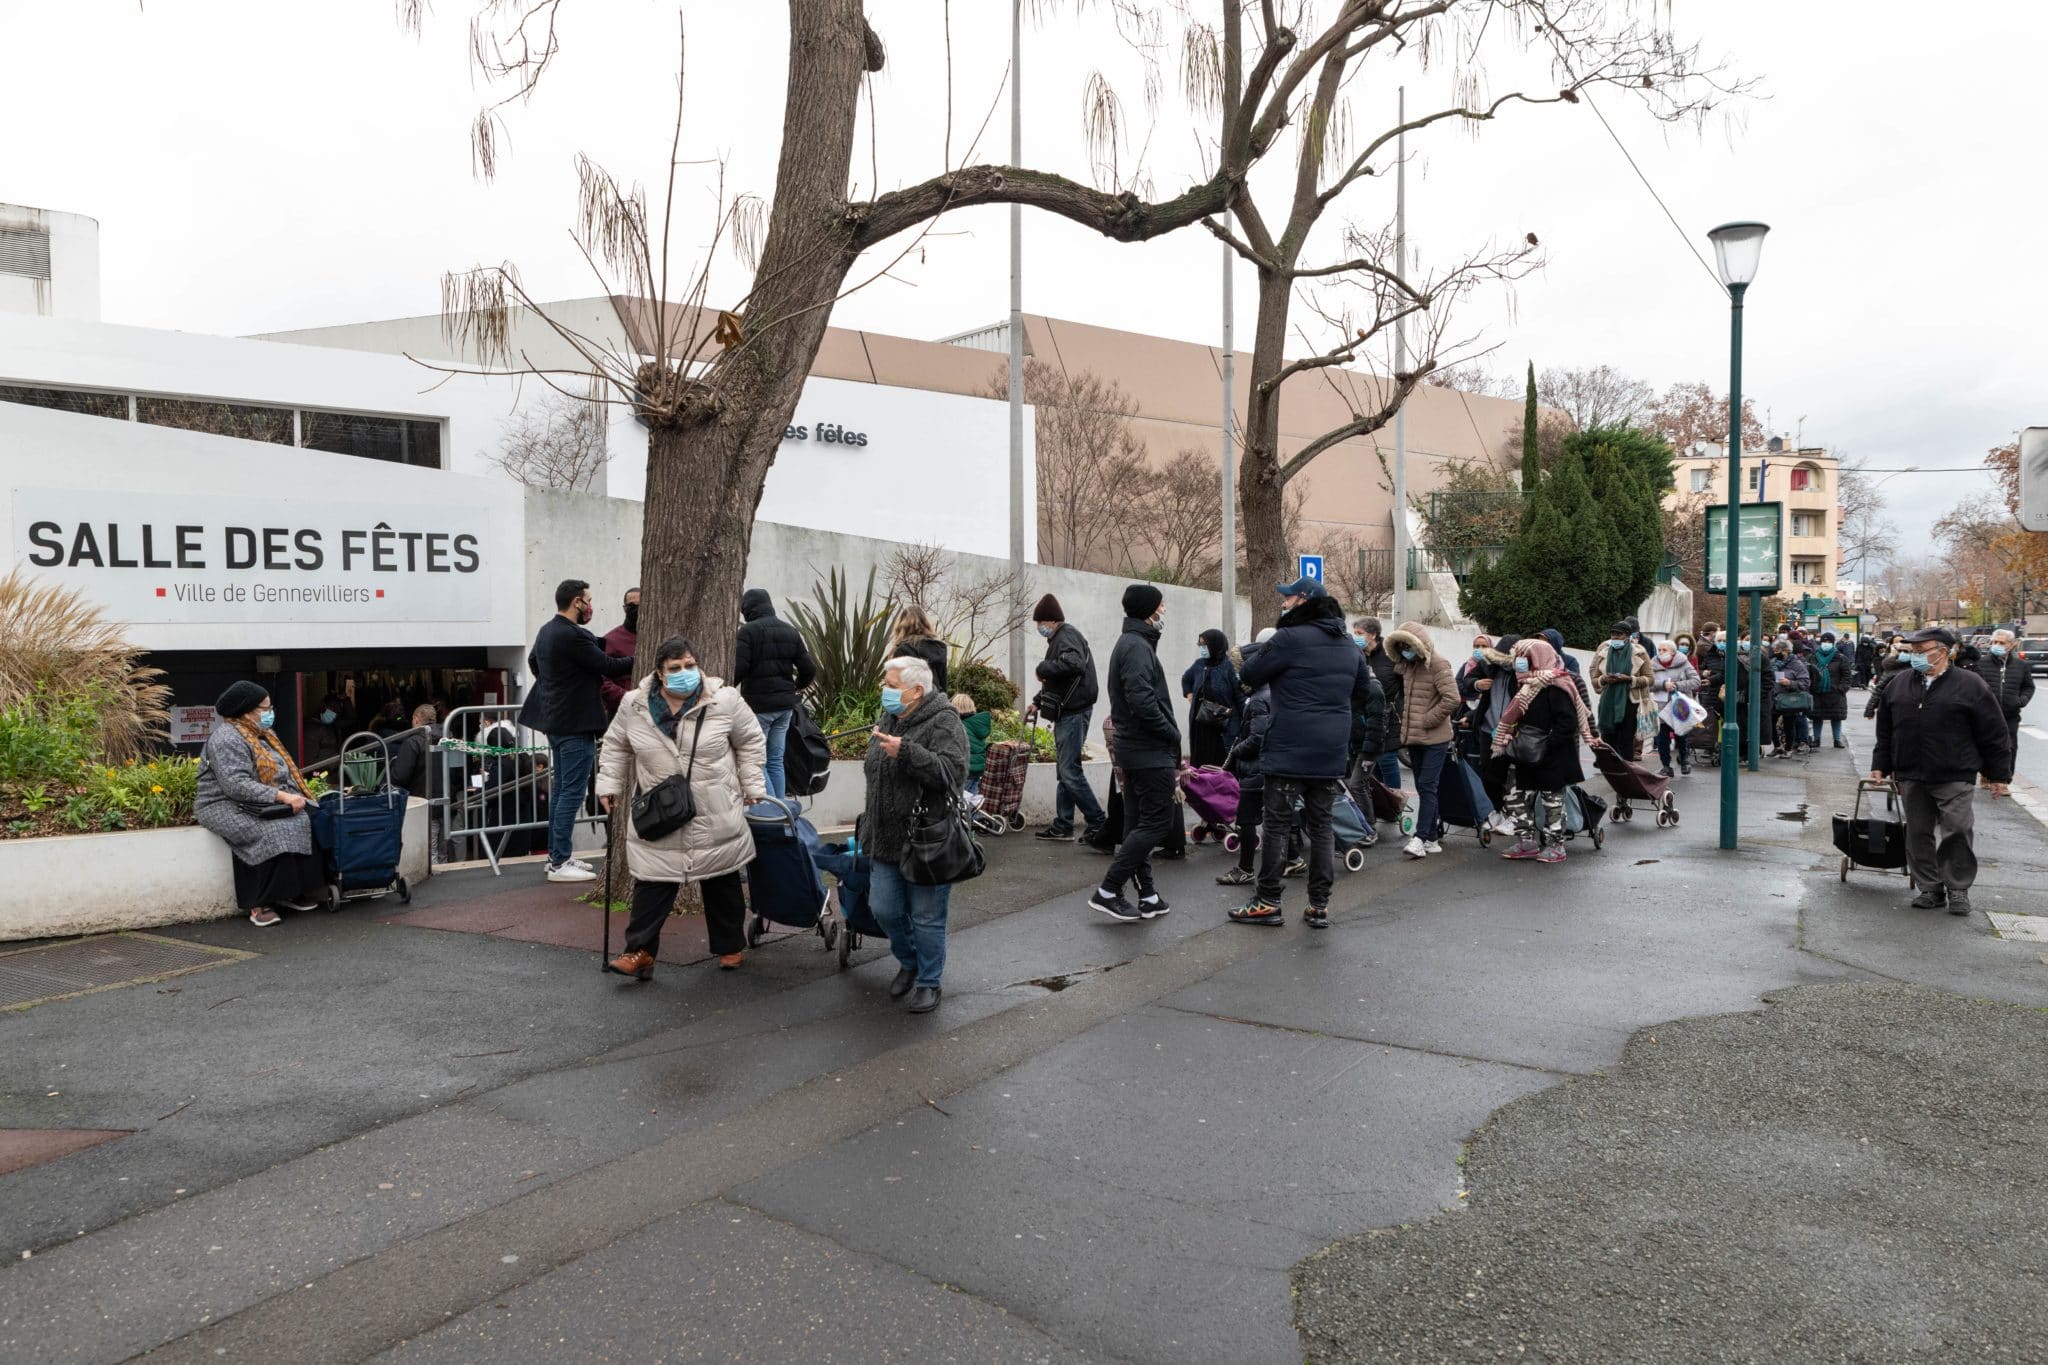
pixel 1112 1142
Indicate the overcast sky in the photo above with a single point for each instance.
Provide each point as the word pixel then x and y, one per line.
pixel 257 165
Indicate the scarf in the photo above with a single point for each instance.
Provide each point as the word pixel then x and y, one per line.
pixel 1823 671
pixel 1614 696
pixel 665 717
pixel 272 762
pixel 1546 669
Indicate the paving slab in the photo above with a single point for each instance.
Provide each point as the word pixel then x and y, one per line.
pixel 1848 1175
pixel 723 1283
pixel 1139 1190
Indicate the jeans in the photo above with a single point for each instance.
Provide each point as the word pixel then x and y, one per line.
pixel 1666 737
pixel 775 729
pixel 1390 769
pixel 725 914
pixel 1428 762
pixel 1069 733
pixel 1148 818
pixel 569 782
pixel 1836 726
pixel 974 784
pixel 1317 795
pixel 914 918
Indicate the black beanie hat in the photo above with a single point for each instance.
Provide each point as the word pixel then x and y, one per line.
pixel 1048 609
pixel 1141 600
pixel 240 699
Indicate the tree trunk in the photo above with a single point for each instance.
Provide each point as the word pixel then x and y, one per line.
pixel 1261 496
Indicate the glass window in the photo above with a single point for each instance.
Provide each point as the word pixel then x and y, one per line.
pixel 1809 571
pixel 68 400
pixel 400 440
pixel 1701 479
pixel 1809 524
pixel 1753 471
pixel 243 420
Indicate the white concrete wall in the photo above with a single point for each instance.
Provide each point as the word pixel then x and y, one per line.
pixel 845 795
pixel 73 289
pixel 99 883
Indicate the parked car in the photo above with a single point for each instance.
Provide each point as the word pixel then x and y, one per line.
pixel 2034 649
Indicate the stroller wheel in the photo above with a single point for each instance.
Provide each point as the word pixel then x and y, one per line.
pixel 1618 814
pixel 1230 843
pixel 404 892
pixel 1354 859
pixel 1485 836
pixel 829 929
pixel 1199 834
pixel 848 941
pixel 1669 802
pixel 332 895
pixel 1016 820
pixel 1407 821
pixel 1598 837
pixel 1845 867
pixel 1663 818
pixel 757 929
pixel 1674 815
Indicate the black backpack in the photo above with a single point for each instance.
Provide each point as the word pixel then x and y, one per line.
pixel 806 757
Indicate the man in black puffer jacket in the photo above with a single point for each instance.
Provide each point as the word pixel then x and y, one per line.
pixel 1318 683
pixel 1066 696
pixel 770 666
pixel 1147 752
pixel 2010 679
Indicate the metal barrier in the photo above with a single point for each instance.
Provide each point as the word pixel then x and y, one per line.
pixel 493 788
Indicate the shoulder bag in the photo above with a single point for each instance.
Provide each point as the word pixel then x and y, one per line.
pixel 1209 711
pixel 1794 701
pixel 668 805
pixel 940 849
pixel 1528 747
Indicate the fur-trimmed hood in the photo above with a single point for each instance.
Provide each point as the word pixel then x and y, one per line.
pixel 1413 635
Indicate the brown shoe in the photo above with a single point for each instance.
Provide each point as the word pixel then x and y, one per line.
pixel 729 962
pixel 635 963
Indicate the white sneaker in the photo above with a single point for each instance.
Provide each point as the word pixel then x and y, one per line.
pixel 578 862
pixel 1499 823
pixel 569 872
pixel 1432 846
pixel 1416 848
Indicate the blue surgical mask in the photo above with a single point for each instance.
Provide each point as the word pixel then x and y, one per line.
pixel 1743 646
pixel 1919 663
pixel 892 700
pixel 1359 640
pixel 1684 651
pixel 1045 632
pixel 327 717
pixel 1998 651
pixel 1521 665
pixel 683 681
pixel 1409 655
pixel 1479 654
pixel 266 719
pixel 1825 649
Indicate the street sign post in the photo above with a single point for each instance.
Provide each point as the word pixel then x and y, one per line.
pixel 1312 567
pixel 1760 549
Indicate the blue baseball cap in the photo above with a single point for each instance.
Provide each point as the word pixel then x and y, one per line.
pixel 1301 587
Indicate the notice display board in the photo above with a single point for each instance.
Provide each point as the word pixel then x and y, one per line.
pixel 1760 548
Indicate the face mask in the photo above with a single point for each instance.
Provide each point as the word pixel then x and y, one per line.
pixel 1998 651
pixel 1684 651
pixel 1826 649
pixel 1408 655
pixel 1743 647
pixel 583 616
pixel 683 681
pixel 327 717
pixel 266 719
pixel 1479 656
pixel 1360 641
pixel 633 616
pixel 1045 632
pixel 1919 663
pixel 892 700
pixel 1521 665
pixel 1156 619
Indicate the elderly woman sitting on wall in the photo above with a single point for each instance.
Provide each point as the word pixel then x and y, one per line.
pixel 250 794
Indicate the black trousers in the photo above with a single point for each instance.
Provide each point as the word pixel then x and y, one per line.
pixel 725 913
pixel 287 877
pixel 1250 807
pixel 1148 817
pixel 1620 736
pixel 1317 795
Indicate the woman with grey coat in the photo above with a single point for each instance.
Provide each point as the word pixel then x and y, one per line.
pixel 918 756
pixel 244 771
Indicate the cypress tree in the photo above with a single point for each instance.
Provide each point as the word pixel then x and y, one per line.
pixel 1532 458
pixel 1564 569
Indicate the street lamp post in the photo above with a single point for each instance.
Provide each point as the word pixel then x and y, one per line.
pixel 1737 247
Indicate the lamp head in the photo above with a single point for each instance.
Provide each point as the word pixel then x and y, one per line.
pixel 1737 247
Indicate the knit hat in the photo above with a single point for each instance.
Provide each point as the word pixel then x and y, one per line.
pixel 1048 609
pixel 240 699
pixel 1141 600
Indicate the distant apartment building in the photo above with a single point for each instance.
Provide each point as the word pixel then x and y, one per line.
pixel 1807 480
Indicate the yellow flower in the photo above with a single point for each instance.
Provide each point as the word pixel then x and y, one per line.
pixel 158 790
pixel 131 762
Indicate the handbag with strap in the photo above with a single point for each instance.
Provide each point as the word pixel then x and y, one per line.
pixel 941 848
pixel 668 805
pixel 1793 701
pixel 1209 711
pixel 1528 746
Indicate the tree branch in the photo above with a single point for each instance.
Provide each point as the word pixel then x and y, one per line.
pixel 1122 217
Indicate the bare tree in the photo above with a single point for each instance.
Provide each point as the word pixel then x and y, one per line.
pixel 1361 575
pixel 1690 413
pixel 1598 397
pixel 1089 462
pixel 1178 519
pixel 1473 377
pixel 972 612
pixel 561 442
pixel 1863 531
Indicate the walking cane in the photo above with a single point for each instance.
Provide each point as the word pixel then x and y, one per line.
pixel 604 963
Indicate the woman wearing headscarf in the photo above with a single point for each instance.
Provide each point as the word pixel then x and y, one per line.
pixel 1833 672
pixel 680 721
pixel 1210 685
pixel 915 636
pixel 1672 675
pixel 1549 704
pixel 245 779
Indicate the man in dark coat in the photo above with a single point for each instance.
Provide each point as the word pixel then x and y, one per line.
pixel 568 663
pixel 2009 678
pixel 1370 636
pixel 1317 687
pixel 621 641
pixel 1147 752
pixel 1866 657
pixel 770 667
pixel 1939 730
pixel 1066 696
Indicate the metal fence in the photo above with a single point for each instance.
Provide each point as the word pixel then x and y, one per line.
pixel 1456 562
pixel 490 787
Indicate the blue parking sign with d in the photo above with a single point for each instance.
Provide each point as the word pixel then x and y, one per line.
pixel 1312 567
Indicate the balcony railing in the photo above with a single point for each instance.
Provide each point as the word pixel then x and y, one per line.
pixel 1456 562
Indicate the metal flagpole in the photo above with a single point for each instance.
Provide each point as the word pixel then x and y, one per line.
pixel 1018 675
pixel 1401 364
pixel 1229 456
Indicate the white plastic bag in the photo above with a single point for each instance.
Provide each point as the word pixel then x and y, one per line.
pixel 1682 714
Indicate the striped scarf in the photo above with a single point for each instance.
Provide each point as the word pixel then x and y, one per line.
pixel 272 762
